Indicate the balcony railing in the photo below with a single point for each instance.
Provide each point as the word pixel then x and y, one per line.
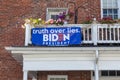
pixel 92 33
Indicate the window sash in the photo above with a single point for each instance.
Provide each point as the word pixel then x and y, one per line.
pixel 110 3
pixel 113 13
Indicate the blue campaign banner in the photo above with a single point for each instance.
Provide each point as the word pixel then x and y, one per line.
pixel 56 36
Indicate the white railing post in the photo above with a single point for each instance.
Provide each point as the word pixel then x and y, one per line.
pixel 27 34
pixel 94 32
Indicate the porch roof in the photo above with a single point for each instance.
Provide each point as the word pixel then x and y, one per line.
pixel 18 52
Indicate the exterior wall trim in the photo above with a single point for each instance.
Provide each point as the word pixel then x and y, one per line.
pixel 61 49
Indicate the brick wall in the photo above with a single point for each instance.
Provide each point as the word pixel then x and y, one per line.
pixel 72 75
pixel 12 14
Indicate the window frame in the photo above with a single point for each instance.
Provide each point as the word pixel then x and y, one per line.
pixel 54 11
pixel 102 15
pixel 57 76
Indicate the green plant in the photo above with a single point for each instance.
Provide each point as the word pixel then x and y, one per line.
pixel 107 20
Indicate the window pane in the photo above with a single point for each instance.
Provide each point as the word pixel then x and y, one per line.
pixel 55 17
pixel 115 5
pixel 111 16
pixel 109 11
pixel 62 78
pixel 104 73
pixel 115 16
pixel 104 11
pixel 112 73
pixel 110 4
pixel 115 11
pixel 105 16
pixel 104 3
pixel 118 73
pixel 51 78
pixel 56 78
pixel 104 6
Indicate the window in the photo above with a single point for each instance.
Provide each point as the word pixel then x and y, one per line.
pixel 54 17
pixel 57 77
pixel 110 73
pixel 52 13
pixel 118 73
pixel 110 8
pixel 104 73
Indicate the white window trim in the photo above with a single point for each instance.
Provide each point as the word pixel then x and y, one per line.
pixel 118 9
pixel 57 76
pixel 47 11
pixel 101 1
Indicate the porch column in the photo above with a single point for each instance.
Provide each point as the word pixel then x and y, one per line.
pixel 25 75
pixel 96 66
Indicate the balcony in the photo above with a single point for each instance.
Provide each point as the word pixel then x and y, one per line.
pixel 91 33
